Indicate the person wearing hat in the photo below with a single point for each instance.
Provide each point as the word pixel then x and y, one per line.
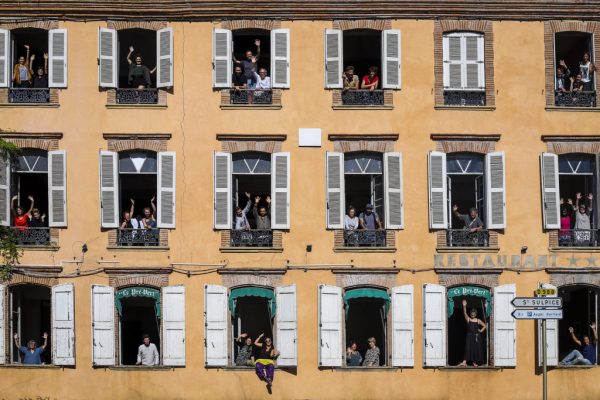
pixel 369 219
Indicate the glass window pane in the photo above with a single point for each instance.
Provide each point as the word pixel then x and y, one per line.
pixel 363 163
pixel 576 164
pixel 464 163
pixel 32 160
pixel 251 163
pixel 137 162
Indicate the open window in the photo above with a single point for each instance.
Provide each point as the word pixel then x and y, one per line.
pixel 463 69
pixel 574 83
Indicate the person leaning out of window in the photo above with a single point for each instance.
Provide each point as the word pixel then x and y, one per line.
pixel 370 81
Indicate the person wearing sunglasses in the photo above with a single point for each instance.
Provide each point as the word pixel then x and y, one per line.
pixel 265 363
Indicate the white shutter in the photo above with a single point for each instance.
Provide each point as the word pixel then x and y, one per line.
pixel 280 191
pixel 223 210
pixel 280 60
pixel 5 67
pixel 438 191
pixel 403 333
pixel 495 190
pixel 463 61
pixel 505 327
pixel 394 201
pixel 2 332
pixel 481 61
pixel 434 322
pixel 335 190
pixel 452 61
pixel 391 65
pixel 287 326
pixel 4 191
pixel 57 58
pixel 166 189
pixel 215 325
pixel 57 188
pixel 222 58
pixel 551 336
pixel 330 326
pixel 472 45
pixel 550 190
pixel 164 55
pixel 63 324
pixel 333 58
pixel 107 58
pixel 173 325
pixel 109 189
pixel 103 325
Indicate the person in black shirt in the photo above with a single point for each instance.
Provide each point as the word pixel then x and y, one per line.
pixel 265 363
pixel 238 80
pixel 139 75
pixel 40 79
pixel 37 220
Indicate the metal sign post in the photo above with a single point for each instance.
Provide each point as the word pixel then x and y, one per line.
pixel 544 362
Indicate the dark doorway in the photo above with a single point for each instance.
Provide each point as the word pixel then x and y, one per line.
pixel 252 316
pixel 457 329
pixel 34 184
pixel 37 39
pixel 243 40
pixel 144 43
pixel 30 312
pixel 256 185
pixel 362 49
pixel 570 46
pixel 572 184
pixel 465 191
pixel 138 318
pixel 367 318
pixel 141 188
pixel 580 310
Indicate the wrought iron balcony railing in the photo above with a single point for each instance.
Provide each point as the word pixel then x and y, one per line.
pixel 251 238
pixel 26 236
pixel 138 237
pixel 578 238
pixel 28 95
pixel 575 99
pixel 464 98
pixel 466 238
pixel 251 96
pixel 363 97
pixel 364 238
pixel 137 96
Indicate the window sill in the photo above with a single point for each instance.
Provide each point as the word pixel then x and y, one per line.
pixel 362 369
pixel 250 106
pixel 466 108
pixel 138 248
pixel 576 109
pixel 362 107
pixel 34 366
pixel 29 105
pixel 575 366
pixel 588 249
pixel 247 369
pixel 39 247
pixel 129 106
pixel 251 249
pixel 135 367
pixel 467 249
pixel 469 369
pixel 364 249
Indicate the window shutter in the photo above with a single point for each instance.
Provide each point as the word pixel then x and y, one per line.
pixel 471 61
pixel 391 65
pixel 107 58
pixel 403 335
pixel 394 202
pixel 496 192
pixel 164 53
pixel 280 62
pixel 222 58
pixel 335 190
pixel 5 67
pixel 109 189
pixel 103 325
pixel 57 188
pixel 287 326
pixel 222 197
pixel 57 58
pixel 2 323
pixel 215 325
pixel 4 192
pixel 550 190
pixel 173 325
pixel 280 191
pixel 166 189
pixel 438 193
pixel 330 326
pixel 333 58
pixel 63 324
pixel 434 322
pixel 596 204
pixel 481 60
pixel 551 336
pixel 505 327
pixel 452 69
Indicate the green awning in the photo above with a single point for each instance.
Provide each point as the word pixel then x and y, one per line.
pixel 252 291
pixel 470 291
pixel 137 292
pixel 366 292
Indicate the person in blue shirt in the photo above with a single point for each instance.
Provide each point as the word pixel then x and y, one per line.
pixel 31 354
pixel 587 355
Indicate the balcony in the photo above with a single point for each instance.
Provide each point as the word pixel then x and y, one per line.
pixel 137 96
pixel 31 236
pixel 251 238
pixel 466 238
pixel 464 98
pixel 365 238
pixel 575 99
pixel 28 96
pixel 363 98
pixel 577 238
pixel 251 96
pixel 138 237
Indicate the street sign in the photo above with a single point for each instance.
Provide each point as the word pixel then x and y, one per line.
pixel 537 314
pixel 545 292
pixel 537 302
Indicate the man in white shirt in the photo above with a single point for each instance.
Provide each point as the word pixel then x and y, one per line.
pixel 262 82
pixel 147 353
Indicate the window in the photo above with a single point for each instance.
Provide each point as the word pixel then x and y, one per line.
pixel 574 83
pixel 140 310
pixel 466 196
pixel 149 179
pixel 357 314
pixel 253 310
pixel 28 79
pixel 355 180
pixel 464 69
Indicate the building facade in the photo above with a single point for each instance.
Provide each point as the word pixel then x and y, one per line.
pixel 468 113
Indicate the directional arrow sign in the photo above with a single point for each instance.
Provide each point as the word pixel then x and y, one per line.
pixel 537 314
pixel 537 302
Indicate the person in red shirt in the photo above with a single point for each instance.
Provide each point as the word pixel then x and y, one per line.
pixel 371 80
pixel 21 218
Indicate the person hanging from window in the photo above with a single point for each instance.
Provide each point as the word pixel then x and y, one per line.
pixel 265 362
pixel 353 357
pixel 22 74
pixel 370 81
pixel 372 354
pixel 40 79
pixel 22 218
pixel 474 339
pixel 262 82
pixel 577 84
pixel 139 75
pixel 147 353
pixel 249 65
pixel 586 70
pixel 587 355
pixel 245 356
pixel 369 219
pixel 562 77
pixel 583 221
pixel 566 222
pixel 32 355
pixel 349 79
pixel 262 215
pixel 240 221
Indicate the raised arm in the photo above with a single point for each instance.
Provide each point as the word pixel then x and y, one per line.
pixel 268 200
pixel 464 304
pixel 12 205
pixel 572 332
pixel 46 63
pixel 27 56
pixel 255 208
pixel 31 62
pixel 30 206
pixel 152 204
pixel 594 331
pixel 16 338
pixel 131 50
pixel 248 203
pixel 45 336
pixel 257 43
pixel 132 208
pixel 257 342
pixel 590 202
